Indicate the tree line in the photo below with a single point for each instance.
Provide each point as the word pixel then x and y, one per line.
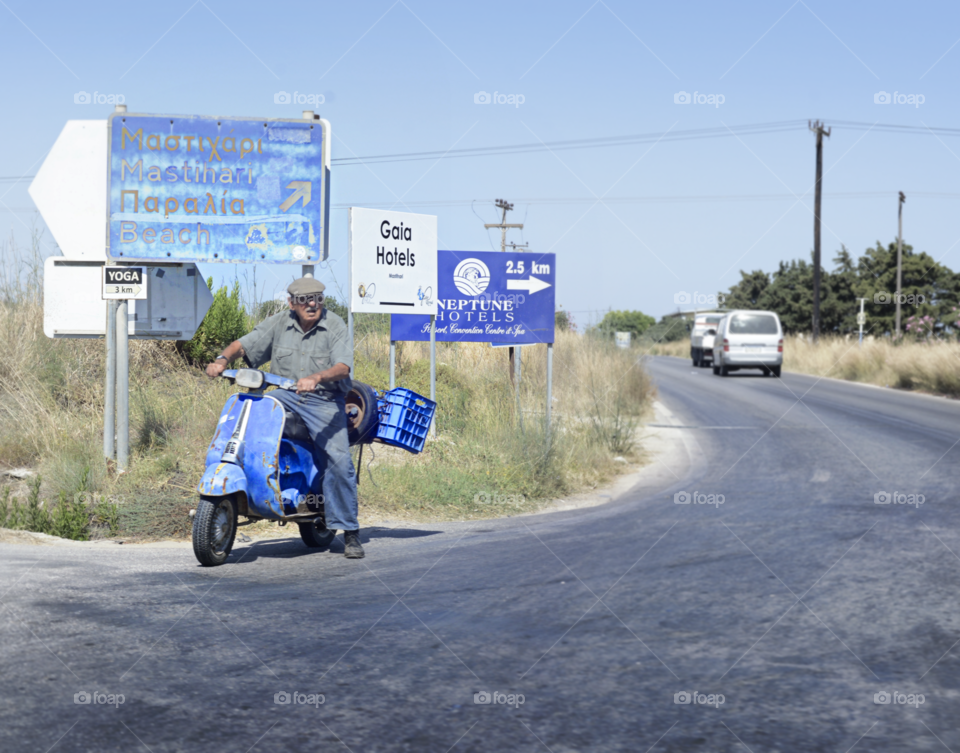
pixel 929 289
pixel 930 303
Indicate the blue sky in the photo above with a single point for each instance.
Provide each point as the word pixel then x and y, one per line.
pixel 401 77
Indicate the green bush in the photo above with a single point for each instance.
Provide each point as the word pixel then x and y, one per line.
pixel 225 322
pixel 69 518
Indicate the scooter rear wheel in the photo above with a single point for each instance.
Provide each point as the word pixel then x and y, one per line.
pixel 316 536
pixel 214 529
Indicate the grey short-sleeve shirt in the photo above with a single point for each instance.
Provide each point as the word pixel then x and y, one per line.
pixel 295 354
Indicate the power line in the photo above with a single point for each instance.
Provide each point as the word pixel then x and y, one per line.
pixel 645 138
pixel 698 133
pixel 560 201
pixel 607 141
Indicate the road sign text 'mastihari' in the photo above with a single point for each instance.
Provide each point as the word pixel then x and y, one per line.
pixel 210 189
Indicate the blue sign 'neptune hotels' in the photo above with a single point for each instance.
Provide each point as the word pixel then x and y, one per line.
pixel 209 189
pixel 486 296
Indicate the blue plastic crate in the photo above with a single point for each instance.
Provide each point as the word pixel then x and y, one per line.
pixel 405 419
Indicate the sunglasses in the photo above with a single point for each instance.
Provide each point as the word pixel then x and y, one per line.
pixel 302 300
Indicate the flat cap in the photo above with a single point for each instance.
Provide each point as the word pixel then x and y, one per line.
pixel 306 286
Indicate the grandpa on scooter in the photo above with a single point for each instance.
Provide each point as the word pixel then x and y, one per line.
pixel 309 345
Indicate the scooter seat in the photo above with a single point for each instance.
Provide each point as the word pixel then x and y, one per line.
pixel 295 428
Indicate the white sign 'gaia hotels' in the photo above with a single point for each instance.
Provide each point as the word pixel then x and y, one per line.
pixel 393 262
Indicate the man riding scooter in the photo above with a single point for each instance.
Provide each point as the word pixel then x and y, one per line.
pixel 309 345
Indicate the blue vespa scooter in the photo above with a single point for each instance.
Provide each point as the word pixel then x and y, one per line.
pixel 260 465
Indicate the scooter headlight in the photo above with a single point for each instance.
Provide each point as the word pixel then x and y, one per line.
pixel 252 379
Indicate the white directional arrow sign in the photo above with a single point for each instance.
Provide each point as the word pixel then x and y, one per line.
pixel 70 190
pixel 531 285
pixel 73 306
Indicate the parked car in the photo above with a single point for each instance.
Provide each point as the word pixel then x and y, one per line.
pixel 748 340
pixel 701 338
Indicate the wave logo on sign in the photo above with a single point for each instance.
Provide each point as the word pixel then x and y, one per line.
pixel 471 277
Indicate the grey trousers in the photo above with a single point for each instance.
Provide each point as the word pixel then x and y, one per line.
pixel 327 423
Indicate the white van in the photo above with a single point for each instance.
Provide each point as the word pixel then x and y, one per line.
pixel 701 338
pixel 748 340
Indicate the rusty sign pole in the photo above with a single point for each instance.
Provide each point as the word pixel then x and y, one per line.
pixel 433 371
pixel 123 386
pixel 110 389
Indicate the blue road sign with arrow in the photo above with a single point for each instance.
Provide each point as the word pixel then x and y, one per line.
pixel 486 296
pixel 209 189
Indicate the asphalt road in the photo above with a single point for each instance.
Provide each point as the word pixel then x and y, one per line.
pixel 796 599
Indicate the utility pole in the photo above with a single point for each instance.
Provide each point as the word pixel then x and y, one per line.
pixel 504 226
pixel 506 207
pixel 817 127
pixel 899 254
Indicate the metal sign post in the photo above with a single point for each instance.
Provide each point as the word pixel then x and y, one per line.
pixel 123 387
pixel 433 371
pixel 861 320
pixel 110 389
pixel 393 364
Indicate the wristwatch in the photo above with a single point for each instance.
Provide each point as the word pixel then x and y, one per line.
pixel 219 357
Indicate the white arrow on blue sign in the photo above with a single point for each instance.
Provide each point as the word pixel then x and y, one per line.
pixel 488 296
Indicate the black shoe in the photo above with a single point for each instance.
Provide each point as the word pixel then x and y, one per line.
pixel 351 545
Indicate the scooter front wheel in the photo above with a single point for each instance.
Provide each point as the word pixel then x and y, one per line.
pixel 214 529
pixel 316 536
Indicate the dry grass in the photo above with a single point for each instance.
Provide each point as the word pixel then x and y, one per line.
pixel 930 367
pixel 926 366
pixel 51 420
